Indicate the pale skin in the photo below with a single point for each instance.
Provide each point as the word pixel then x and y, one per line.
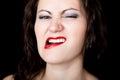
pixel 65 18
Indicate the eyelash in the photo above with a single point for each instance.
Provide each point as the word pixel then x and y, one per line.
pixel 67 16
pixel 71 16
pixel 44 17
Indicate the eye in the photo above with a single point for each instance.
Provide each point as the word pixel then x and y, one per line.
pixel 44 17
pixel 71 16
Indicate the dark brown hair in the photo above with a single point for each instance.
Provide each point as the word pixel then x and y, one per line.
pixel 31 64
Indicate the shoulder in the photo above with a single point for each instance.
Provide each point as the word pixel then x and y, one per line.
pixel 9 77
pixel 90 76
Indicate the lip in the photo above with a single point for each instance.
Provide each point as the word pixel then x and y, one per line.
pixel 49 46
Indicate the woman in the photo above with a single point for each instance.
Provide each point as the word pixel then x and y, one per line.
pixel 58 34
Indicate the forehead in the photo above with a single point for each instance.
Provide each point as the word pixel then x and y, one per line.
pixel 59 4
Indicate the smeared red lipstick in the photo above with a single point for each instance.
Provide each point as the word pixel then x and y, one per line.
pixel 54 41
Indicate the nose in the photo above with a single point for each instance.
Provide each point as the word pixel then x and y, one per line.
pixel 56 26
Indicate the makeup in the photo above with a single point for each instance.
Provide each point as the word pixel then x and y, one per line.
pixel 54 42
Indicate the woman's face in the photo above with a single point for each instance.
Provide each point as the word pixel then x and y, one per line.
pixel 60 29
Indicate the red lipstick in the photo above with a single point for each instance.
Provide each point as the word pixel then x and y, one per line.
pixel 54 42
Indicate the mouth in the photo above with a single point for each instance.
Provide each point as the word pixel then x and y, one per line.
pixel 54 42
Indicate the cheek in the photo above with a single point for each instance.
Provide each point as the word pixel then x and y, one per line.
pixel 79 33
pixel 77 29
pixel 76 33
pixel 39 32
pixel 40 29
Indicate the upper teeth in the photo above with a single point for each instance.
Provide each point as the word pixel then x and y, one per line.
pixel 56 40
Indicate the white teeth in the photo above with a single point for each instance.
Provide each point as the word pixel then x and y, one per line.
pixel 56 40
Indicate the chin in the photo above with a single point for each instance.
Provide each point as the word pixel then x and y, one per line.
pixel 53 59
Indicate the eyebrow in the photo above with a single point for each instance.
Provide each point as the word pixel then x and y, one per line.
pixel 44 11
pixel 62 11
pixel 69 9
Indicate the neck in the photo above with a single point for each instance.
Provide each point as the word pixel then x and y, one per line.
pixel 72 70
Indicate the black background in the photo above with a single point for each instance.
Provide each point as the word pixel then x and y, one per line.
pixel 11 44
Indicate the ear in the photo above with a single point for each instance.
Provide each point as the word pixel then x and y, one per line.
pixel 9 77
